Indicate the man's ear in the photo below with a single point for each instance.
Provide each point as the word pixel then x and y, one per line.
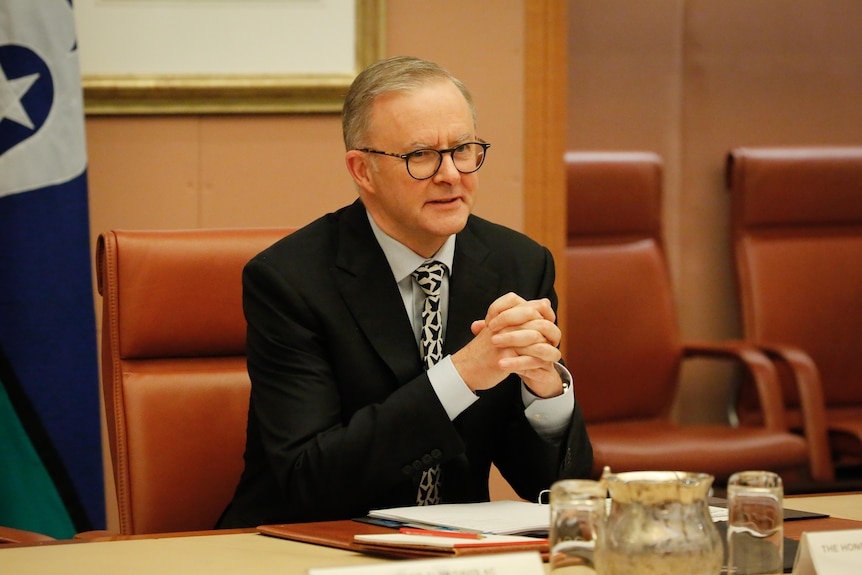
pixel 360 169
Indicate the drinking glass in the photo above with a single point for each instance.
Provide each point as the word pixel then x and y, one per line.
pixel 577 519
pixel 755 526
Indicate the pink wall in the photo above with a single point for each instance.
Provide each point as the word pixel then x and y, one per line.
pixel 285 170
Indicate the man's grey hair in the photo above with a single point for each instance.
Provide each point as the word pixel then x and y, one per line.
pixel 397 74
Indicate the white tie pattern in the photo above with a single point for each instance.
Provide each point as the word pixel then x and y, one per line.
pixel 429 276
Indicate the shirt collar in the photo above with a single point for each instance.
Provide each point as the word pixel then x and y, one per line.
pixel 402 260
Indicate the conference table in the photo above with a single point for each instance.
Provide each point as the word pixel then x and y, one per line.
pixel 248 552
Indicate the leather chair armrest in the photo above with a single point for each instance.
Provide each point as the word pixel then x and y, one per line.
pixel 812 401
pixel 760 359
pixel 12 535
pixel 759 366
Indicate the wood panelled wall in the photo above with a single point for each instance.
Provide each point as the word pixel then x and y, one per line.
pixel 690 79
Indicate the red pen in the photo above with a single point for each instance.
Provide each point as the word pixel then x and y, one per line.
pixel 439 533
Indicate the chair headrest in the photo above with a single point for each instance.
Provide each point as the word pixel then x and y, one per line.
pixel 613 194
pixel 796 186
pixel 177 293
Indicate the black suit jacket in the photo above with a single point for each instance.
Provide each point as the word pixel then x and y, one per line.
pixel 343 418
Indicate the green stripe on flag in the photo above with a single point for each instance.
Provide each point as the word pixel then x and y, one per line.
pixel 28 498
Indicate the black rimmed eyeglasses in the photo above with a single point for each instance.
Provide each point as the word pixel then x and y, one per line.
pixel 424 163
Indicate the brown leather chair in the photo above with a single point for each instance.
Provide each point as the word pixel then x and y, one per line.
pixel 796 232
pixel 174 378
pixel 622 342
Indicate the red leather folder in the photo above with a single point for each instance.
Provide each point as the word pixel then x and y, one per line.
pixel 340 534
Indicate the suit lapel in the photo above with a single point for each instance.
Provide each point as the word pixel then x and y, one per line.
pixel 365 280
pixel 472 288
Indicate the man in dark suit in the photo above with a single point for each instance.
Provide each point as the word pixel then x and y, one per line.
pixel 353 405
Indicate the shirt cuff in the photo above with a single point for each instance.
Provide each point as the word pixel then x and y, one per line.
pixel 550 417
pixel 450 388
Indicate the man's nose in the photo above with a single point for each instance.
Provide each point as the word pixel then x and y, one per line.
pixel 447 171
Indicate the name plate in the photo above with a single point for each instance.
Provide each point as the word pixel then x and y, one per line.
pixel 493 564
pixel 829 553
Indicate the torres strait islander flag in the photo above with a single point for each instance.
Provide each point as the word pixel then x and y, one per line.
pixel 50 446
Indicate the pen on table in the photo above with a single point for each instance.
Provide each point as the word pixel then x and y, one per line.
pixel 439 533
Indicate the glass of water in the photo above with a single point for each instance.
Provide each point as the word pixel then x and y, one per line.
pixel 755 526
pixel 577 519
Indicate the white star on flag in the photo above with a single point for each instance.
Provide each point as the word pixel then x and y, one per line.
pixel 11 92
pixel 42 111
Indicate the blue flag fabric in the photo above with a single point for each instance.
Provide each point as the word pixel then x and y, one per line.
pixel 48 359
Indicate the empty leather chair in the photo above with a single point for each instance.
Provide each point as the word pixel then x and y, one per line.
pixel 622 342
pixel 796 233
pixel 174 378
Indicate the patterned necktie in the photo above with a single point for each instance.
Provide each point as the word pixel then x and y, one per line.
pixel 430 278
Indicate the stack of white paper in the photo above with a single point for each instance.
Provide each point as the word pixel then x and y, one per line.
pixel 499 517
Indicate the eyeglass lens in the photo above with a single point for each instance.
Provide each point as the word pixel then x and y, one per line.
pixel 422 164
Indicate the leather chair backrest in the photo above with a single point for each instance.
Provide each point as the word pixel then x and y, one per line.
pixel 174 377
pixel 796 230
pixel 621 324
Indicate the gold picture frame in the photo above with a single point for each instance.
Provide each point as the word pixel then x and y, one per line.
pixel 235 93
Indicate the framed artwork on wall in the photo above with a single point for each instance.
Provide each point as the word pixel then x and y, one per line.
pixel 224 56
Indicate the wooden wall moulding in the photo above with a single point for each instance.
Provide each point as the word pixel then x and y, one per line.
pixel 212 84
